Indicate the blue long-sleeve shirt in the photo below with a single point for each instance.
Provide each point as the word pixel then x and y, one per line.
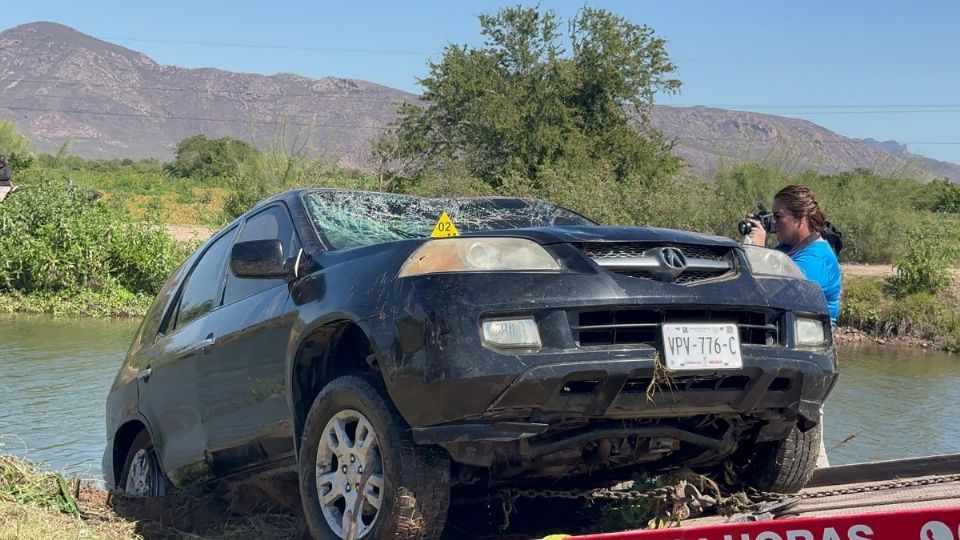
pixel 819 263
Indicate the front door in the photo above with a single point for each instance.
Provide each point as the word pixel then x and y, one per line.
pixel 242 383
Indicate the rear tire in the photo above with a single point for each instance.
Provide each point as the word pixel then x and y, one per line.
pixel 406 489
pixel 784 466
pixel 141 475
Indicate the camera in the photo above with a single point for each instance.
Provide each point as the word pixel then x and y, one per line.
pixel 764 216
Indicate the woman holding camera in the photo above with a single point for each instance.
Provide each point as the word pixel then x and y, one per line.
pixel 798 222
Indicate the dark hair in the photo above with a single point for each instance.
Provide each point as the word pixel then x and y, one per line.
pixel 800 202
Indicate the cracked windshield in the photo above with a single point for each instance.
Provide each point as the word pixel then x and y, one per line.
pixel 479 270
pixel 352 219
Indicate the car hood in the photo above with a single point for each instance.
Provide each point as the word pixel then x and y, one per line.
pixel 556 235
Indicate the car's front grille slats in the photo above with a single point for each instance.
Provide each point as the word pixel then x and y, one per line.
pixel 616 326
pixel 645 260
pixel 631 326
pixel 636 249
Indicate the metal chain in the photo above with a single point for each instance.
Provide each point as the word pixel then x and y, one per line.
pixel 678 501
pixel 685 498
pixel 893 484
pixel 660 493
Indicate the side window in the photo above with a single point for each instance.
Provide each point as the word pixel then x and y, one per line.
pixel 201 292
pixel 272 223
pixel 154 317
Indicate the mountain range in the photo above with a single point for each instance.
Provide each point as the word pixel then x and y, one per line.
pixel 59 85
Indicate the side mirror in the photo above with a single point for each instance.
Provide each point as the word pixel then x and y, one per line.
pixel 259 259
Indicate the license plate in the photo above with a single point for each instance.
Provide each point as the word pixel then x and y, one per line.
pixel 701 346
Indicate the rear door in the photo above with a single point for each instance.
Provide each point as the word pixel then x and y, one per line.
pixel 242 383
pixel 167 379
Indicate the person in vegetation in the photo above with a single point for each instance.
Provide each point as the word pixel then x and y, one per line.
pixel 799 225
pixel 6 185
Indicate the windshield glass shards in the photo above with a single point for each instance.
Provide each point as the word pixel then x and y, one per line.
pixel 351 219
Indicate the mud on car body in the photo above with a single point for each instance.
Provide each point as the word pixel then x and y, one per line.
pixel 325 330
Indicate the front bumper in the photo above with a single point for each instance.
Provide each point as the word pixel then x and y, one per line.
pixel 442 375
pixel 792 386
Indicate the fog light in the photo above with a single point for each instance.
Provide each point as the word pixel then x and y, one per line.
pixel 809 331
pixel 519 333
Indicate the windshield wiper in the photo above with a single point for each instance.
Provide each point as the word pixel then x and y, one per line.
pixel 402 233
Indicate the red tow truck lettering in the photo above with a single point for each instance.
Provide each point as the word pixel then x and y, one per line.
pixel 855 532
pixel 937 530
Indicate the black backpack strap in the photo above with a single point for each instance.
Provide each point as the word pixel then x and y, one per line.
pixel 832 235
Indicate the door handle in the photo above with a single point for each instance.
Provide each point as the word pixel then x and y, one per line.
pixel 200 346
pixel 145 373
pixel 207 344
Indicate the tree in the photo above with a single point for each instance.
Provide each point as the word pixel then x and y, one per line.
pixel 521 108
pixel 940 196
pixel 199 157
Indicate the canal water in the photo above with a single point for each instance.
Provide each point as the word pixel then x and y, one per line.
pixel 55 374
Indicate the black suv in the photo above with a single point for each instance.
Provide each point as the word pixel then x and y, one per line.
pixel 396 350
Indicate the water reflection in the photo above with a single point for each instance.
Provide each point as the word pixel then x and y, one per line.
pixel 55 374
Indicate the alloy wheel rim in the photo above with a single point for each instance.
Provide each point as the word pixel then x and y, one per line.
pixel 349 474
pixel 142 477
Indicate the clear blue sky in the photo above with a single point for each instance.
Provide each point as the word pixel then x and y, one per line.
pixel 881 69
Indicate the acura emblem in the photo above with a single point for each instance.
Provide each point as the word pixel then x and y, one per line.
pixel 673 258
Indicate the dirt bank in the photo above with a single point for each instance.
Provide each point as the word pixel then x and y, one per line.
pixel 874 270
pixel 877 270
pixel 108 517
pixel 188 233
pixel 852 337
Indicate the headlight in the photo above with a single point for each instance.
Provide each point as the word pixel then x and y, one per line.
pixel 770 262
pixel 512 333
pixel 809 331
pixel 478 255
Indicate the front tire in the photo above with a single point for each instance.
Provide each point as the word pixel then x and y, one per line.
pixel 361 474
pixel 785 466
pixel 141 474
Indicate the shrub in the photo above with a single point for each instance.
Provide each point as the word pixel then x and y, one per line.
pixel 924 265
pixel 53 241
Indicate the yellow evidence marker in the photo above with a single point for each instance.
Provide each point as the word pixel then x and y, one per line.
pixel 444 228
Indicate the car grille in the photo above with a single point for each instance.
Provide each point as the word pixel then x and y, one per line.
pixel 640 260
pixel 685 278
pixel 642 326
pixel 635 249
